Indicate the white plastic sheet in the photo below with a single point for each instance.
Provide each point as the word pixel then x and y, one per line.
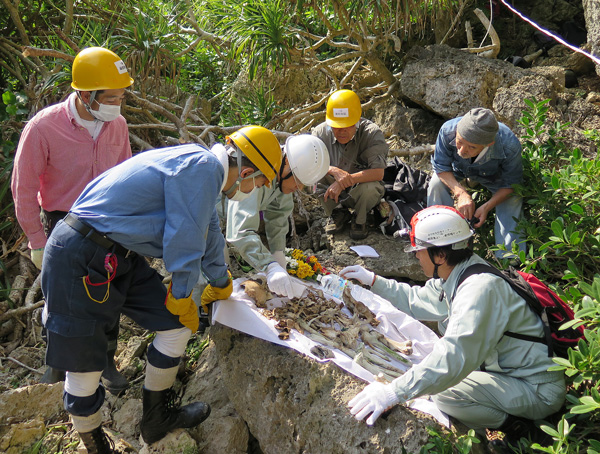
pixel 239 312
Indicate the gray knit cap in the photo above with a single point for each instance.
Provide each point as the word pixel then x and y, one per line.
pixel 479 126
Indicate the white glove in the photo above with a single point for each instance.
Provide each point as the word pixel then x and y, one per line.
pixel 278 279
pixel 37 257
pixel 375 399
pixel 362 275
pixel 279 257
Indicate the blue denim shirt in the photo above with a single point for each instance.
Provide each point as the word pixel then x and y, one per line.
pixel 500 167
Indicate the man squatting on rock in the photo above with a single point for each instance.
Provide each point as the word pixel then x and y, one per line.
pixel 477 149
pixel 160 203
pixel 474 373
pixel 358 153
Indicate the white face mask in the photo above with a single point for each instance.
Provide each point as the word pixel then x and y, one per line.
pixel 239 195
pixel 106 112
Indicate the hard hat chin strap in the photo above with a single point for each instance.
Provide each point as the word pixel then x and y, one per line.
pixel 239 179
pixel 280 176
pixel 88 107
pixel 435 265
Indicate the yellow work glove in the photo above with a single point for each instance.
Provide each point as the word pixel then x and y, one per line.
pixel 211 294
pixel 185 308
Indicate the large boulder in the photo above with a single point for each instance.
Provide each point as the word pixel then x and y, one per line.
pixel 408 125
pixel 294 404
pixel 450 82
pixel 225 431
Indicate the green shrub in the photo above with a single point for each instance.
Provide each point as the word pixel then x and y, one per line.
pixel 561 193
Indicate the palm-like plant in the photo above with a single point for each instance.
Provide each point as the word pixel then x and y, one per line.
pixel 258 32
pixel 148 41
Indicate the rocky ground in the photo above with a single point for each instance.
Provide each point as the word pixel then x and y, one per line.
pixel 268 399
pixel 213 371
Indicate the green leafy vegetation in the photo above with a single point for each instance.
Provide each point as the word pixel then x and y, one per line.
pixel 186 56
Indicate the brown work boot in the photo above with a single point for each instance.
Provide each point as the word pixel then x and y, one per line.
pixel 98 442
pixel 358 231
pixel 337 221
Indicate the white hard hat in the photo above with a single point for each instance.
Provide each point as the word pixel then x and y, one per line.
pixel 308 158
pixel 439 225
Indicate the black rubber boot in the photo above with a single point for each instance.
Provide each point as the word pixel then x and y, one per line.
pixel 113 380
pixel 163 413
pixel 515 428
pixel 52 375
pixel 97 442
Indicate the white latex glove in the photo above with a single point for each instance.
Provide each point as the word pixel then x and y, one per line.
pixel 375 399
pixel 280 283
pixel 362 275
pixel 37 256
pixel 279 257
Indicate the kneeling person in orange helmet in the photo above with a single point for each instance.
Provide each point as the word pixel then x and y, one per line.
pixel 358 153
pixel 305 162
pixel 475 373
pixel 63 148
pixel 160 203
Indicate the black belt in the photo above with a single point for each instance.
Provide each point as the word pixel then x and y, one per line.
pixel 91 234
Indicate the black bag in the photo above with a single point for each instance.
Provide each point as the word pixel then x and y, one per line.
pixel 405 194
pixel 553 311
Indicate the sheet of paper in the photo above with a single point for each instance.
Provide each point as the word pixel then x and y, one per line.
pixel 365 251
pixel 239 312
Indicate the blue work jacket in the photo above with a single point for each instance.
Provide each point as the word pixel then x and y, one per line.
pixel 500 167
pixel 161 203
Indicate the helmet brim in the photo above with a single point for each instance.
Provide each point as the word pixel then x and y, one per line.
pixel 340 124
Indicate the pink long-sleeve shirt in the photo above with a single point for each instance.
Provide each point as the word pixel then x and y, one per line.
pixel 56 159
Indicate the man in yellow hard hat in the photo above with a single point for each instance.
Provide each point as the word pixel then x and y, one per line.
pixel 160 203
pixel 305 162
pixel 358 152
pixel 64 147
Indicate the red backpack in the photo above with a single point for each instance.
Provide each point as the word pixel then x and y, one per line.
pixel 553 311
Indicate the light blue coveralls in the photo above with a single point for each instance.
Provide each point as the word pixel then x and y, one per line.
pixel 500 167
pixel 516 380
pixel 243 222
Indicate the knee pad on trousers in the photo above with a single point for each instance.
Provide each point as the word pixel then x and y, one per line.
pixel 160 360
pixel 84 406
pixel 172 342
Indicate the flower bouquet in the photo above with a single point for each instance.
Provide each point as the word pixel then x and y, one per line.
pixel 302 266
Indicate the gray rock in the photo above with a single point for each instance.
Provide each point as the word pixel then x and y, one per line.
pixel 128 361
pixel 41 400
pixel 414 126
pixel 126 419
pixel 225 431
pixel 449 82
pixel 294 404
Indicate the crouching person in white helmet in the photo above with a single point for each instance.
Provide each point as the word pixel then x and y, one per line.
pixel 160 203
pixel 306 161
pixel 475 373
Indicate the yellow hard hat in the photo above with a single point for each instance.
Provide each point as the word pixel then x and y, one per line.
pixel 260 146
pixel 343 109
pixel 97 68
